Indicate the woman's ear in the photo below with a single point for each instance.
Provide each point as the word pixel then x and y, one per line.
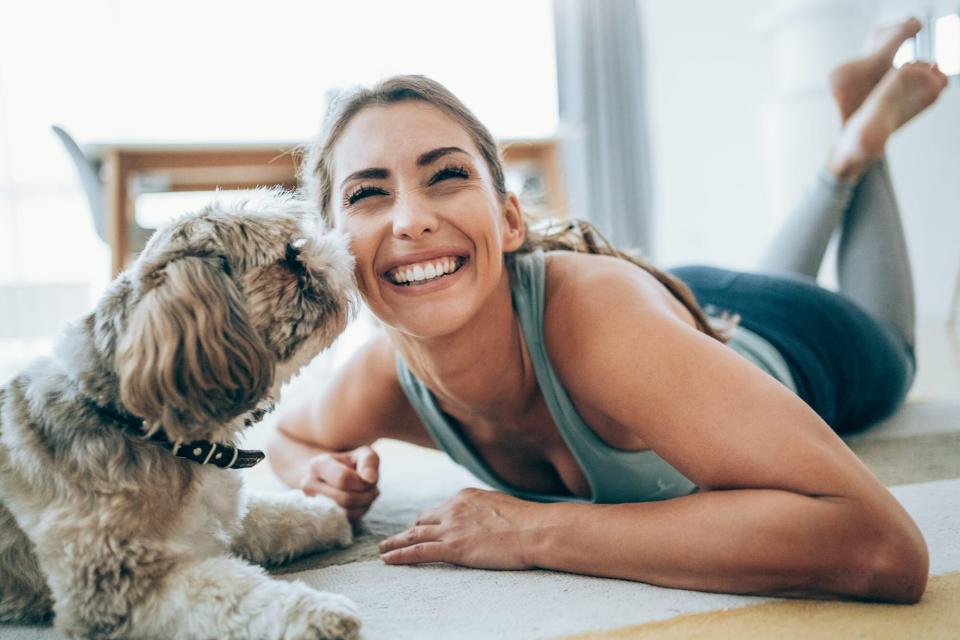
pixel 189 359
pixel 514 230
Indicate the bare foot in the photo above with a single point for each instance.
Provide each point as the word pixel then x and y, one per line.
pixel 900 95
pixel 851 83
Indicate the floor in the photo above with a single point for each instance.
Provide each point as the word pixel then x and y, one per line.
pixel 916 452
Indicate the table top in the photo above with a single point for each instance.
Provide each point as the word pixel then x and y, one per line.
pixel 100 148
pixel 103 147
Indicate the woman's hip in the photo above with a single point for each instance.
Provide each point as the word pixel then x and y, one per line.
pixel 850 367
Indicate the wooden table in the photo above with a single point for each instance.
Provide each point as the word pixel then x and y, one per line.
pixel 183 167
pixel 209 166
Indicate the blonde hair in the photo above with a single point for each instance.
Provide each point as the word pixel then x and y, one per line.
pixel 316 177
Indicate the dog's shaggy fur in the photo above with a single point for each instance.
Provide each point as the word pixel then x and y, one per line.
pixel 110 534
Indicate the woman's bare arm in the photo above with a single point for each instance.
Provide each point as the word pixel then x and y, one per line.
pixel 362 403
pixel 785 507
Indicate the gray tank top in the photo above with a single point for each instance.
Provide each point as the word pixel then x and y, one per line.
pixel 614 475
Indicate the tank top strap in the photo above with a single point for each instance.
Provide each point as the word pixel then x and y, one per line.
pixel 614 475
pixel 603 466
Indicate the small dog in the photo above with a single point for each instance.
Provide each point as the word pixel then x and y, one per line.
pixel 120 514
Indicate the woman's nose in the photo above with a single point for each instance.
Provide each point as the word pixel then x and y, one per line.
pixel 412 219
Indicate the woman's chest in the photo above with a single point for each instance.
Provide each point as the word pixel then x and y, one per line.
pixel 529 452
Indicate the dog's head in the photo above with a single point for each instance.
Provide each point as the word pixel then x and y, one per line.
pixel 225 305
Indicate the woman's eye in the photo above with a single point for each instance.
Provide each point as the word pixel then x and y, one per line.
pixel 449 172
pixel 362 192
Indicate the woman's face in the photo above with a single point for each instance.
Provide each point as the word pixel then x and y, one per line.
pixel 427 227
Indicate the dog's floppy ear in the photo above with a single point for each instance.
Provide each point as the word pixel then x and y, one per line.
pixel 190 359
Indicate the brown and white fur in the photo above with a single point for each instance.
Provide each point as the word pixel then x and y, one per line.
pixel 112 536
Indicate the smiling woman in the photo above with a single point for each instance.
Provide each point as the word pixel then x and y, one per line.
pixel 628 433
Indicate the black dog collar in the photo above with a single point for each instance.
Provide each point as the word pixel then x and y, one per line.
pixel 200 451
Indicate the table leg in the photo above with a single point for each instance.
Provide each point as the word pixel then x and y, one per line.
pixel 115 185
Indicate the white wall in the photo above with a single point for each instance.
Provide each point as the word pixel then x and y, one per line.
pixel 741 118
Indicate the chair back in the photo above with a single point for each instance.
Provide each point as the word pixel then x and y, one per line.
pixel 89 171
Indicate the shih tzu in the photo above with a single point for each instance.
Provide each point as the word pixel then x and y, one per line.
pixel 121 512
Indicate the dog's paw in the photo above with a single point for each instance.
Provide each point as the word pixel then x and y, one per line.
pixel 332 519
pixel 279 527
pixel 322 616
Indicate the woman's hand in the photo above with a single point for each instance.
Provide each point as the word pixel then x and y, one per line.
pixel 348 478
pixel 476 528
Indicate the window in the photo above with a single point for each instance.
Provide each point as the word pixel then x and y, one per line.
pixel 939 43
pixel 213 71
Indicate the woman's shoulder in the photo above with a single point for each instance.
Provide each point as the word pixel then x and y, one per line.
pixel 572 278
pixel 581 288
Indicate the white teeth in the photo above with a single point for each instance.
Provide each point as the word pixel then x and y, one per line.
pixel 424 271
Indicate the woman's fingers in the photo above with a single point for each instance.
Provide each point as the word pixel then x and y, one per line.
pixel 337 471
pixel 338 477
pixel 367 463
pixel 430 516
pixel 413 535
pixel 417 554
pixel 346 499
pixel 355 514
pixel 416 545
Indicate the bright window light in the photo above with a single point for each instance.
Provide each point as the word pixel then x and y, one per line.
pixel 213 71
pixel 947 44
pixel 906 53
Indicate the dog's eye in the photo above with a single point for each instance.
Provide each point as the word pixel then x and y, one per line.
pixel 291 258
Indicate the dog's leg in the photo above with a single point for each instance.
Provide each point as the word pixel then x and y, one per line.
pixel 278 527
pixel 227 598
pixel 24 595
pixel 219 597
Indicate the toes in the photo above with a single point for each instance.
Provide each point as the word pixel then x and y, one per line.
pixel 910 27
pixel 941 76
pixel 898 35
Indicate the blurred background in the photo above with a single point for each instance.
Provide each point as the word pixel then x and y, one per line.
pixel 684 127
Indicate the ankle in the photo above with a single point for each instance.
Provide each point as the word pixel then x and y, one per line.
pixel 845 168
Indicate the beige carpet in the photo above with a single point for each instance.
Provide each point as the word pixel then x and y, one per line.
pixel 936 617
pixel 920 445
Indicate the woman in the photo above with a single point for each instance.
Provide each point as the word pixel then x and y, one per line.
pixel 631 435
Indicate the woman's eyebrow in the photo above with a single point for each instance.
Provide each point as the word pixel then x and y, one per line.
pixel 376 173
pixel 430 156
pixel 366 174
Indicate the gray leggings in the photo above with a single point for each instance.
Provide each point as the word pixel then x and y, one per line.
pixel 851 353
pixel 873 267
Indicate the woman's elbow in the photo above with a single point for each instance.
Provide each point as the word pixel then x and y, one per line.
pixel 897 567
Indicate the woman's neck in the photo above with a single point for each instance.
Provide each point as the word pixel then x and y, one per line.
pixel 481 369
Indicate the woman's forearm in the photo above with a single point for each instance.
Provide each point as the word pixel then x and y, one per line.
pixel 757 541
pixel 289 458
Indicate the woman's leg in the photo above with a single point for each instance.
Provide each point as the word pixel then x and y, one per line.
pixel 801 243
pixel 873 266
pixel 851 354
pixel 872 262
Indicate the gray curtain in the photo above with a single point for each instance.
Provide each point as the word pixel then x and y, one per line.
pixel 600 85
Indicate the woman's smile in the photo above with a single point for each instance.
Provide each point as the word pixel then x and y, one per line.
pixel 426 277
